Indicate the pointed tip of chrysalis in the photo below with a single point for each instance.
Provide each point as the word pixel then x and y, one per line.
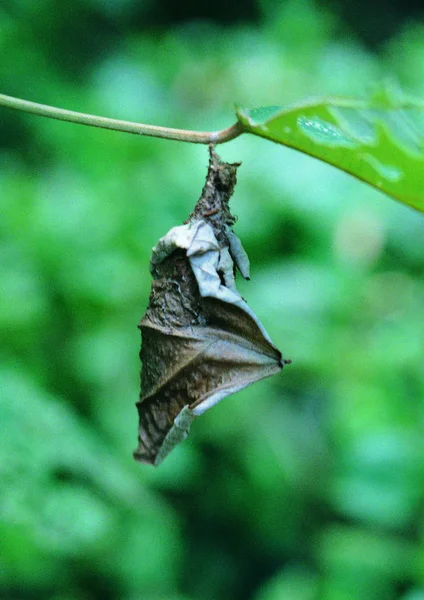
pixel 284 361
pixel 143 458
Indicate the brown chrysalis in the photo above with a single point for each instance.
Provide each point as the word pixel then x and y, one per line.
pixel 200 340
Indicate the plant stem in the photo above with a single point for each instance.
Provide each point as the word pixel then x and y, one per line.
pixel 182 135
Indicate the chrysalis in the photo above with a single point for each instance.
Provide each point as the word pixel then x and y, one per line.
pixel 200 340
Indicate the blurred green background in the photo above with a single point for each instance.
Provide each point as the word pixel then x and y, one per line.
pixel 307 486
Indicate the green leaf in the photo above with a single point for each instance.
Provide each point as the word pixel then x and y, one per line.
pixel 380 141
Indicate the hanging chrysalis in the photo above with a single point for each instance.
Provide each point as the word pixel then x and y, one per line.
pixel 200 340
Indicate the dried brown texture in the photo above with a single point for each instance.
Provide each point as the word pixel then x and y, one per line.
pixel 193 347
pixel 212 205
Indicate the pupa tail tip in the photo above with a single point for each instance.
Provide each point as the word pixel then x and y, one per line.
pixel 144 458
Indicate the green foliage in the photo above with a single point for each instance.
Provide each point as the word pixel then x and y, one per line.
pixel 308 486
pixel 380 141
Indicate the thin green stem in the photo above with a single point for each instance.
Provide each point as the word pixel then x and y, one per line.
pixel 182 135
